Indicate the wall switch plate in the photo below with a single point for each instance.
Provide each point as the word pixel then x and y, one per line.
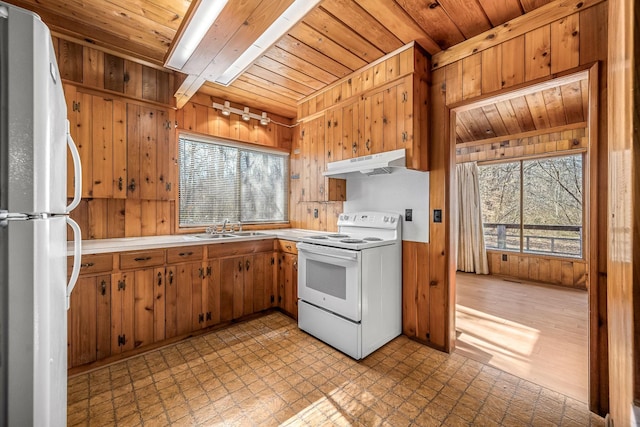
pixel 408 214
pixel 315 213
pixel 437 215
pixel 504 257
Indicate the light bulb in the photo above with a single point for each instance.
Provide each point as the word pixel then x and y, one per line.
pixel 264 120
pixel 245 115
pixel 226 110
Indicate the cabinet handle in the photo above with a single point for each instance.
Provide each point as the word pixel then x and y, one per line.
pixel 405 136
pixel 171 277
pixel 120 184
pixel 288 247
pixel 367 145
pixel 159 279
pixel 239 265
pixel 87 265
pixel 329 154
pixel 185 253
pixel 248 264
pixel 209 271
pixel 146 258
pixel 122 285
pixel 354 148
pixel 295 265
pixel 201 273
pixel 405 96
pixel 103 287
pixel 132 186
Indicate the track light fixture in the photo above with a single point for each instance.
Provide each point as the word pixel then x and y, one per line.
pixel 247 115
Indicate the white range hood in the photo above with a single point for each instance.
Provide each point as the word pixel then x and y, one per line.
pixel 372 164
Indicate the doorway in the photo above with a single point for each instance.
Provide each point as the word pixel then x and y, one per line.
pixel 518 318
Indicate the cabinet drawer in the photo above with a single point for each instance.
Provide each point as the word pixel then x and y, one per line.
pixel 222 250
pixel 287 246
pixel 141 259
pixel 189 253
pixel 96 263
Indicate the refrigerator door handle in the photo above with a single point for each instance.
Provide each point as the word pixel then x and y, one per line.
pixel 77 258
pixel 77 170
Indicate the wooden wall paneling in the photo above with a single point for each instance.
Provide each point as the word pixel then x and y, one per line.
pixel 164 94
pixel 538 109
pixel 319 160
pixel 93 67
pixel 348 139
pixel 119 151
pixel 537 47
pixel 133 79
pixel 132 218
pixel 423 302
pixel 148 153
pixel 491 71
pixel 102 147
pixel 82 326
pixel 410 289
pixel 114 73
pixel 513 58
pixel 441 321
pixel 149 83
pixel 163 217
pixel 70 59
pixel 565 43
pixel 453 83
pixel 472 76
pixel 148 218
pixel 116 218
pixel 97 210
pixel 367 119
pixel 81 216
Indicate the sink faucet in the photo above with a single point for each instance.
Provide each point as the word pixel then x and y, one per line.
pixel 224 225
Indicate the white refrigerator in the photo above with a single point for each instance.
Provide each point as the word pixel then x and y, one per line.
pixel 34 291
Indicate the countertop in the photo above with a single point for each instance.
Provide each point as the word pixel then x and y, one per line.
pixel 155 242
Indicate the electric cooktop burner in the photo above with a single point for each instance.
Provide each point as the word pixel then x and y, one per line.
pixel 318 237
pixel 372 239
pixel 338 236
pixel 352 241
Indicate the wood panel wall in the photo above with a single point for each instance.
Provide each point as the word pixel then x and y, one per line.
pixel 103 74
pixel 624 220
pixel 564 272
pixel 529 52
pixel 566 142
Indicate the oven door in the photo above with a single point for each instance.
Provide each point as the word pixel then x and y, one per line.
pixel 330 278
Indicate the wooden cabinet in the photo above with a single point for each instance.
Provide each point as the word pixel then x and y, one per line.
pixel 126 147
pixel 98 127
pixel 150 169
pixel 129 300
pixel 89 320
pixel 315 186
pixel 288 278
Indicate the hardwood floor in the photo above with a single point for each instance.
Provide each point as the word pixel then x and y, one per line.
pixel 536 332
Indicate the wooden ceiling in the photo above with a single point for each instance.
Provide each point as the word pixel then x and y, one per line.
pixel 336 38
pixel 551 107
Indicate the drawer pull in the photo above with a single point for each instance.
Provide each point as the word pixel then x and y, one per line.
pixel 248 265
pixel 146 258
pixel 87 265
pixel 288 247
pixel 239 265
pixel 185 254
pixel 159 279
pixel 103 286
pixel 170 277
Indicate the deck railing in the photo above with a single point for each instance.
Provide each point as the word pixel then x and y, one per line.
pixel 559 240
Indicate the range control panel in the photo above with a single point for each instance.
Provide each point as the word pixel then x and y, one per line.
pixel 369 219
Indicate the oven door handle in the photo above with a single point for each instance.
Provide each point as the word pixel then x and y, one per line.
pixel 344 255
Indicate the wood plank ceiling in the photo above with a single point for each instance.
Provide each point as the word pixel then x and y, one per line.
pixel 335 39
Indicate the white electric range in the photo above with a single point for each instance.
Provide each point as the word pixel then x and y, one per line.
pixel 350 283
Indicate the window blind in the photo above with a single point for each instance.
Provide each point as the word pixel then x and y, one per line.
pixel 219 181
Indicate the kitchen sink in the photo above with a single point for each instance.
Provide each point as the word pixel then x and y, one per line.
pixel 248 233
pixel 213 236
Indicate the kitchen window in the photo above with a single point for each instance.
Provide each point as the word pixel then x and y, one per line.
pixel 221 180
pixel 534 205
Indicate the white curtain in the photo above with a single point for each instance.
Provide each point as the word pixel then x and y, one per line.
pixel 472 255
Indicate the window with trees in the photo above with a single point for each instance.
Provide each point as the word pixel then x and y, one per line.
pixel 534 206
pixel 221 180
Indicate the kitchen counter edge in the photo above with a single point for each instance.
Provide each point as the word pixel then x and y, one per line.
pixel 125 244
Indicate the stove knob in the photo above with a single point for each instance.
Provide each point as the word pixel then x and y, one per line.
pixel 385 219
pixel 393 220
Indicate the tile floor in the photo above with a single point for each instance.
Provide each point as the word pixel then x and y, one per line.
pixel 268 372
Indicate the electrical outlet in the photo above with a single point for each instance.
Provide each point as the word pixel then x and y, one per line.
pixel 437 215
pixel 408 215
pixel 315 213
pixel 504 257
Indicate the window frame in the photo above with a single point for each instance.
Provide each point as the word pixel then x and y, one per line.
pixel 241 146
pixel 585 248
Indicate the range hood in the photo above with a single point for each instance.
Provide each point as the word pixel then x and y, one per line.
pixel 373 164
